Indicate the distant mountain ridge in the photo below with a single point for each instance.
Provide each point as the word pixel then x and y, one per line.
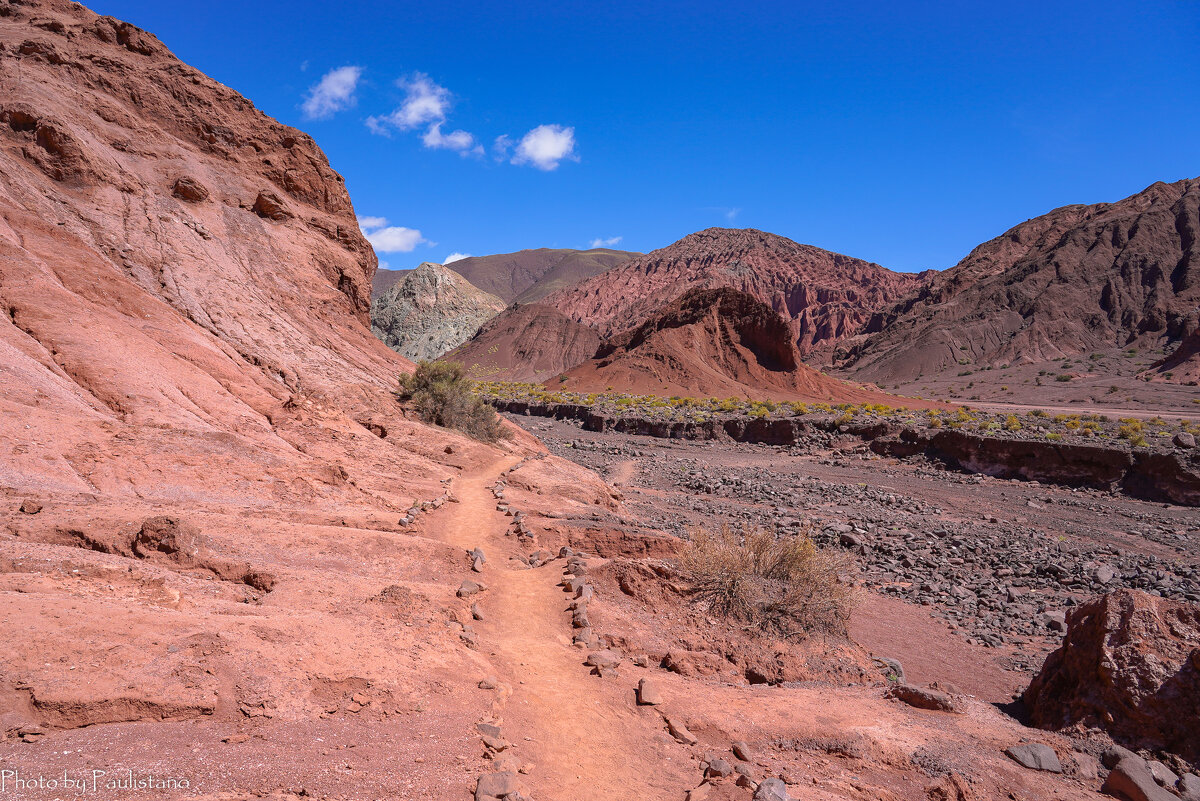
pixel 824 296
pixel 431 310
pixel 1076 280
pixel 529 275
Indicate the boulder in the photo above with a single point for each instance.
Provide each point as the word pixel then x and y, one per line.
pixel 923 698
pixel 648 693
pixel 1035 756
pixel 772 790
pixel 1129 662
pixel 1132 780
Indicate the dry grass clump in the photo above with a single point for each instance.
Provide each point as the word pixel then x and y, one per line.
pixel 442 394
pixel 786 585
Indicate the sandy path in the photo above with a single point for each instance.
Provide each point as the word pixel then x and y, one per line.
pixel 585 735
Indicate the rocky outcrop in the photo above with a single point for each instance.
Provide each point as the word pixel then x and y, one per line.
pixel 715 342
pixel 1182 366
pixel 1074 281
pixel 824 297
pixel 526 343
pixel 527 276
pixel 430 311
pixel 1129 664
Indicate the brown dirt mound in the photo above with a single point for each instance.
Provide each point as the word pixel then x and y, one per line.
pixel 711 343
pixel 526 343
pixel 825 297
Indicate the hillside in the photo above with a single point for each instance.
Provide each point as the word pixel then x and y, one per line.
pixel 529 275
pixel 385 280
pixel 1078 280
pixel 710 343
pixel 526 343
pixel 825 297
pixel 430 311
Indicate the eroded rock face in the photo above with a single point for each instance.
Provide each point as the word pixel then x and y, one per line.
pixel 716 342
pixel 824 297
pixel 1129 664
pixel 527 343
pixel 430 311
pixel 1075 280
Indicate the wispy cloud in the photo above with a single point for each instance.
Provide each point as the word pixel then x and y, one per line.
pixel 453 257
pixel 333 93
pixel 605 243
pixel 427 106
pixel 731 214
pixel 390 238
pixel 545 146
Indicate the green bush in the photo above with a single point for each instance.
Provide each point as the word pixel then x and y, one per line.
pixel 442 394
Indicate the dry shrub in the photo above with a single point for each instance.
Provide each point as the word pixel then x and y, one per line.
pixel 442 394
pixel 784 585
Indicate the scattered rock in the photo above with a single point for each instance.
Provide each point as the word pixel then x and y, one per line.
pixel 772 790
pixel 30 507
pixel 648 693
pixel 1131 779
pixel 680 732
pixel 923 698
pixel 469 588
pixel 1035 756
pixel 189 189
pixel 1188 787
pixel 497 785
pixel 743 752
pixel 606 659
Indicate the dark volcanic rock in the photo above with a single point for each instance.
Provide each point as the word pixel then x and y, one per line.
pixel 1129 664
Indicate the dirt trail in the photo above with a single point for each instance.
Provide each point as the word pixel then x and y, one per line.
pixel 585 735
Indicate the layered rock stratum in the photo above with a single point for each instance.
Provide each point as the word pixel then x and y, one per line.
pixel 1077 280
pixel 710 343
pixel 430 311
pixel 825 297
pixel 526 342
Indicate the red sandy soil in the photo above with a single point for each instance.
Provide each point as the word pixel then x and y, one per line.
pixel 198 350
pixel 712 343
pixel 824 296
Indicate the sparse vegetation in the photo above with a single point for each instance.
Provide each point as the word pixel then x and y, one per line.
pixel 786 585
pixel 442 394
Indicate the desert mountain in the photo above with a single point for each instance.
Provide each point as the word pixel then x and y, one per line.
pixel 1076 280
pixel 430 311
pixel 529 275
pixel 526 342
pixel 1183 364
pixel 824 296
pixel 710 343
pixel 385 280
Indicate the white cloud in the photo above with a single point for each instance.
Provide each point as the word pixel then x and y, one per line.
pixel 731 214
pixel 605 243
pixel 371 223
pixel 460 141
pixel 453 257
pixel 424 101
pixel 333 93
pixel 395 239
pixel 502 147
pixel 545 146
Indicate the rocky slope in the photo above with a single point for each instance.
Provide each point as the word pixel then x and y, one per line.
pixel 709 343
pixel 430 311
pixel 530 342
pixel 1182 366
pixel 825 297
pixel 529 275
pixel 1077 280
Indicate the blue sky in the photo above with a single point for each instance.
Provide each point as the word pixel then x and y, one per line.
pixel 900 133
